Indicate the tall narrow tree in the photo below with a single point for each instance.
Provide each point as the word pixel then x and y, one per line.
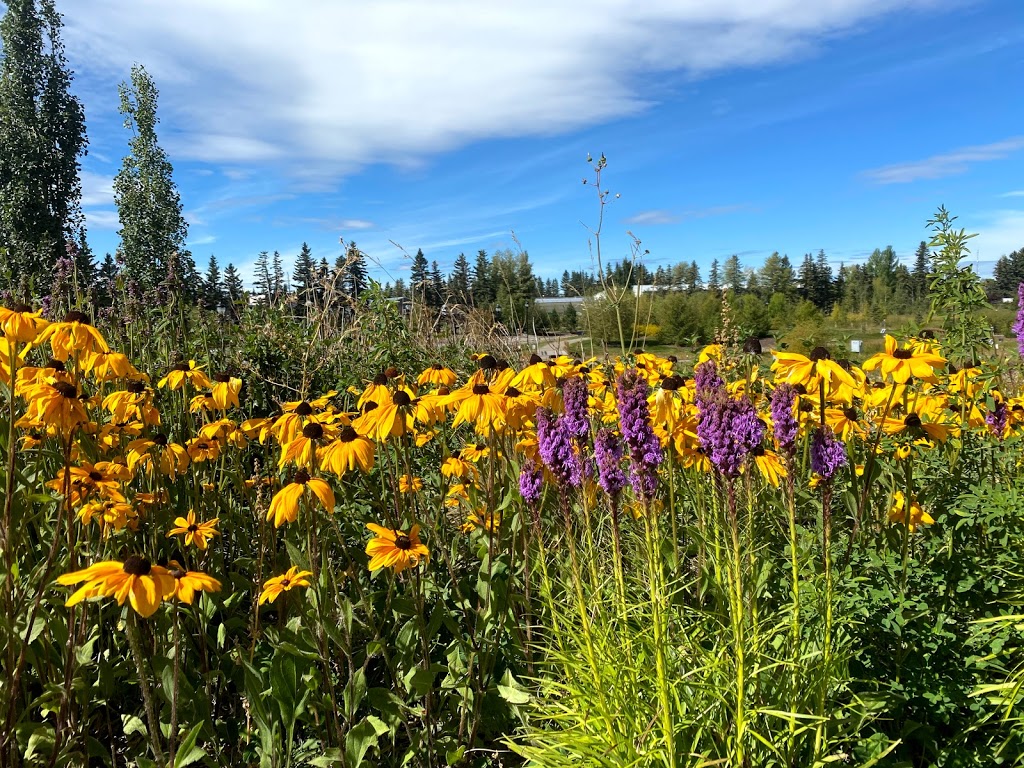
pixel 153 228
pixel 213 289
pixel 233 290
pixel 42 137
pixel 458 285
pixel 303 278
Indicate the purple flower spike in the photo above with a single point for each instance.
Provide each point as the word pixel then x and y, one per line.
pixel 531 479
pixel 996 419
pixel 635 423
pixel 828 453
pixel 556 449
pixel 783 421
pixel 728 430
pixel 1018 326
pixel 575 395
pixel 706 379
pixel 608 449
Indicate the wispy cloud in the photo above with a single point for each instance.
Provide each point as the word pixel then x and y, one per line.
pixel 102 219
pixel 1014 193
pixel 660 216
pixel 320 87
pixel 999 232
pixel 946 164
pixel 97 189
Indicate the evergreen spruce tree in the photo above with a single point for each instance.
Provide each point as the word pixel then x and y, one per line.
pixel 714 278
pixel 278 286
pixel 418 276
pixel 355 277
pixel 435 290
pixel 921 270
pixel 264 281
pixel 732 274
pixel 234 292
pixel 42 137
pixel 153 228
pixel 482 286
pixel 213 290
pixel 459 284
pixel 303 278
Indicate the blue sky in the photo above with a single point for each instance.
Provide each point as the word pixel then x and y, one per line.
pixel 730 126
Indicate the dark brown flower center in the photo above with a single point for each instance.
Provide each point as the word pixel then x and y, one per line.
pixel 57 365
pixel 304 408
pixel 380 379
pixel 913 421
pixel 481 389
pixel 160 439
pixel 183 366
pixel 202 446
pixel 64 389
pixel 301 477
pixel 403 542
pixel 820 353
pixel 402 398
pixel 535 358
pixel 512 392
pixel 437 367
pixel 347 434
pixel 221 378
pixel 368 406
pixel 391 373
pixel 903 354
pixel 137 566
pixel 177 573
pixel 95 476
pixel 136 387
pixel 487 363
pixel 752 346
pixel 77 317
pixel 22 308
pixel 672 383
pixel 313 431
pixel 850 413
pixel 193 528
pixel 286 583
pixel 443 391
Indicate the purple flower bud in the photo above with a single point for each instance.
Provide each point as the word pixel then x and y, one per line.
pixel 531 479
pixel 608 449
pixel 635 424
pixel 996 419
pixel 575 395
pixel 828 453
pixel 783 421
pixel 556 449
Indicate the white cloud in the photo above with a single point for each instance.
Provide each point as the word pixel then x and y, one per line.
pixel 653 217
pixel 102 219
pixel 325 86
pixel 946 164
pixel 999 233
pixel 97 189
pixel 1014 193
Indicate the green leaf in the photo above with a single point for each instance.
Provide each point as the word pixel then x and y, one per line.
pixel 188 753
pixel 358 741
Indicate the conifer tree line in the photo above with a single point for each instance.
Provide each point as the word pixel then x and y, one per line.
pixel 44 248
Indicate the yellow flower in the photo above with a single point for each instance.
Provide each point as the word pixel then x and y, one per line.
pixel 225 391
pixel 173 460
pixel 21 323
pixel 793 368
pixel 301 450
pixel 489 521
pixel 113 514
pixel 916 516
pixel 482 408
pixel 457 467
pixel 292 578
pixel 203 449
pixel 187 583
pixel 284 507
pixel 195 533
pixel 88 480
pixel 56 403
pixel 770 466
pixel 136 579
pixel 409 484
pixel 107 366
pixel 437 375
pixel 392 548
pixel 131 404
pixel 73 334
pixel 902 363
pixel 183 372
pixel 350 451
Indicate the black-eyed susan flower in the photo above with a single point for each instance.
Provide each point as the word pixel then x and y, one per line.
pixel 292 578
pixel 188 583
pixel 488 521
pixel 73 335
pixel 56 403
pixel 793 368
pixel 21 323
pixel 376 391
pixel 87 481
pixel 349 451
pixel 457 467
pixel 225 391
pixel 392 548
pixel 143 584
pixel 107 366
pixel 409 484
pixel 303 447
pixel 185 373
pixel 203 449
pixel 195 532
pixel 916 424
pixel 902 363
pixel 913 517
pixel 284 507
pixel 769 465
pixel 437 375
pixel 108 513
pixel 482 408
pixel 157 453
pixel 392 417
pixel 135 403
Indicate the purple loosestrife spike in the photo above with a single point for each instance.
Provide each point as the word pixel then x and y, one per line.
pixel 728 430
pixel 828 453
pixel 783 421
pixel 1018 326
pixel 574 396
pixel 556 449
pixel 608 449
pixel 996 419
pixel 531 479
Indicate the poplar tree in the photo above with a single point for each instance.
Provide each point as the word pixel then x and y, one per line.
pixel 42 137
pixel 153 228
